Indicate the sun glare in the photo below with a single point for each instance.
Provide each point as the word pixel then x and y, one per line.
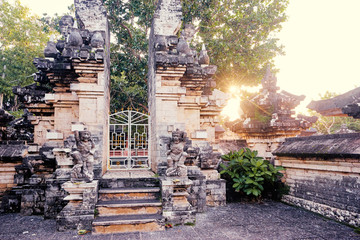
pixel 232 109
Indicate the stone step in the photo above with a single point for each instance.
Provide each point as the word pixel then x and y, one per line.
pixel 129 207
pixel 148 182
pixel 107 194
pixel 127 223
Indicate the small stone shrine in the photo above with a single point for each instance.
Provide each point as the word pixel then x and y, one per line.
pixel 268 120
pixel 323 173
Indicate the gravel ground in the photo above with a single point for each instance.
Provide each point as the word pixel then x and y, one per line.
pixel 268 220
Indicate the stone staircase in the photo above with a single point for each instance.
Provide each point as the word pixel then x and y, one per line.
pixel 128 205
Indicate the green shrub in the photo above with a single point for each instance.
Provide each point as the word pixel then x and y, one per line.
pixel 250 173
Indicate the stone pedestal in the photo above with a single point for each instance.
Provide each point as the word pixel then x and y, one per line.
pixel 176 207
pixel 197 197
pixel 64 162
pixel 79 212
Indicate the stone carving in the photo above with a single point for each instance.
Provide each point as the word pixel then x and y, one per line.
pixel 83 157
pixel 177 155
pixel 75 40
pixel 66 23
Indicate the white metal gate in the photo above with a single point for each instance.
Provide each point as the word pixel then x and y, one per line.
pixel 129 135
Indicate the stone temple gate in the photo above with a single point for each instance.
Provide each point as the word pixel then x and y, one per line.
pixel 137 170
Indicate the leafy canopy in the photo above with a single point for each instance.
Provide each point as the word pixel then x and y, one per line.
pixel 238 35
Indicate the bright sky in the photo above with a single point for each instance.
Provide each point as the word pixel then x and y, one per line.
pixel 322 45
pixel 321 39
pixel 48 6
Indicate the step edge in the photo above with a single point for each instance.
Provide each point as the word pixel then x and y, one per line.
pixel 119 190
pixel 110 205
pixel 122 222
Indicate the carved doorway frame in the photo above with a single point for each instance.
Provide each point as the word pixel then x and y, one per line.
pixel 129 141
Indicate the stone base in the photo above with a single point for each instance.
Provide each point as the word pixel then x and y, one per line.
pixel 216 192
pixel 211 174
pixel 75 218
pixel 80 211
pixel 79 191
pixel 340 215
pixel 180 217
pixel 176 207
pixel 197 192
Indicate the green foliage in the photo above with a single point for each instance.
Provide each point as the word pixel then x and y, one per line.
pixel 240 43
pixel 189 223
pixel 96 212
pixel 17 114
pixel 249 172
pixel 262 116
pixel 130 23
pixel 21 39
pixel 330 125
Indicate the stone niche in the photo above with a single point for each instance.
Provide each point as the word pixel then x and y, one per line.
pixel 11 155
pixel 323 173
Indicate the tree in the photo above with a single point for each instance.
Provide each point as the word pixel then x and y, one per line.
pixel 330 125
pixel 130 23
pixel 239 42
pixel 21 39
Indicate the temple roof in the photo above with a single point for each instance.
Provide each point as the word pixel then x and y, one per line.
pixel 342 105
pixel 324 146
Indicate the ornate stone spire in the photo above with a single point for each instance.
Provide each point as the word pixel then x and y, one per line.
pixel 204 58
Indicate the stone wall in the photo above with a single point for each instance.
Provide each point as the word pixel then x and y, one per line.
pixel 323 173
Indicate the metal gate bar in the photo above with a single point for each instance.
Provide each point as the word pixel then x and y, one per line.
pixel 129 145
